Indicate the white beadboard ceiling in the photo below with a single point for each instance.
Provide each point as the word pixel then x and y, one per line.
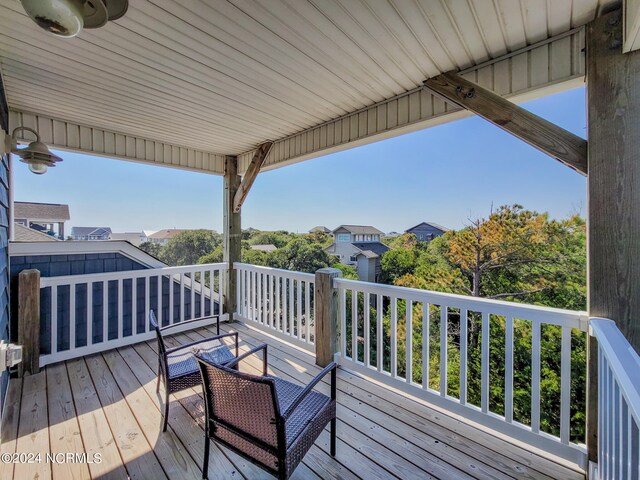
pixel 223 76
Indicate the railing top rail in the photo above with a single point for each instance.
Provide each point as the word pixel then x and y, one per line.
pixel 149 272
pixel 275 271
pixel 623 361
pixel 557 316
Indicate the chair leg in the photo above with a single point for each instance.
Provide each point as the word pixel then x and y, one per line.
pixel 205 462
pixel 158 384
pixel 166 411
pixel 333 437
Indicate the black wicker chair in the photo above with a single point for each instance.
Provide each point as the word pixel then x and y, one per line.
pixel 177 366
pixel 267 420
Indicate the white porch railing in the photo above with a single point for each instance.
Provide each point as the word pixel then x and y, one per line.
pixel 91 313
pixel 618 403
pixel 462 326
pixel 279 301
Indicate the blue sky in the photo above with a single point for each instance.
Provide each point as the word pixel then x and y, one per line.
pixel 445 174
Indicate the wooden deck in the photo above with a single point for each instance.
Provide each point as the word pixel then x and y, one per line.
pixel 107 404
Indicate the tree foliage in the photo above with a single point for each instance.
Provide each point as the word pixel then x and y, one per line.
pixel 513 254
pixel 151 248
pixel 187 247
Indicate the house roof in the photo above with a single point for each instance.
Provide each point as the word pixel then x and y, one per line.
pixel 86 231
pixel 25 234
pixel 320 228
pixel 359 229
pixel 434 225
pixel 167 234
pixel 376 247
pixel 264 248
pixel 368 254
pixel 52 212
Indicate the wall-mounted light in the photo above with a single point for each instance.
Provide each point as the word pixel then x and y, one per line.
pixel 36 154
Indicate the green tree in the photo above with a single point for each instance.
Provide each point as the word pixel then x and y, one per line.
pixel 187 247
pixel 278 238
pixel 151 248
pixel 302 256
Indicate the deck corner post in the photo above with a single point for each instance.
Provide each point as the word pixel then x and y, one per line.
pixel 29 321
pixel 326 315
pixel 232 235
pixel 613 192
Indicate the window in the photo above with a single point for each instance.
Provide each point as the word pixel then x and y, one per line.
pixel 339 256
pixel 353 258
pixel 343 237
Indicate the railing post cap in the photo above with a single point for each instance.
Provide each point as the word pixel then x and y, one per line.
pixel 330 271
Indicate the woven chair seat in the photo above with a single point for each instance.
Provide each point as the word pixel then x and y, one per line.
pixel 182 362
pixel 304 414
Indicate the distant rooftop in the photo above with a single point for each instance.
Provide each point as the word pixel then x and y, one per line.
pixel 320 228
pixel 377 248
pixel 85 231
pixel 264 248
pixel 168 233
pixel 434 225
pixel 25 234
pixel 360 229
pixel 39 212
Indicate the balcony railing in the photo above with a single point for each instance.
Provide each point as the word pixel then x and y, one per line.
pixel 84 314
pixel 280 301
pixel 618 403
pixel 450 350
pixel 379 324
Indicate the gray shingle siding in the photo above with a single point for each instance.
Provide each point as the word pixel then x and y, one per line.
pixel 4 243
pixel 78 264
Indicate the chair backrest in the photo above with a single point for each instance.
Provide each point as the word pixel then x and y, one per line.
pixel 244 404
pixel 154 324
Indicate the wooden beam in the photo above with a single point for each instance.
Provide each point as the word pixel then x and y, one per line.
pixel 29 321
pixel 232 241
pixel 250 175
pixel 613 226
pixel 536 131
pixel 326 315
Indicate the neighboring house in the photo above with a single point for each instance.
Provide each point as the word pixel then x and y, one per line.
pixel 162 237
pixel 24 234
pixel 90 233
pixel 392 234
pixel 48 218
pixel 134 238
pixel 320 229
pixel 427 231
pixel 360 246
pixel 264 248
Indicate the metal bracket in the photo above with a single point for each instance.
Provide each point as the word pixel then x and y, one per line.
pixel 10 355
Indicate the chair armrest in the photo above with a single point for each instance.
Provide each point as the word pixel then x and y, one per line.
pixel 187 322
pixel 253 351
pixel 208 339
pixel 307 390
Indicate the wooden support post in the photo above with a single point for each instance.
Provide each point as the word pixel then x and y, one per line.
pixel 536 131
pixel 251 174
pixel 232 234
pixel 613 111
pixel 29 320
pixel 326 315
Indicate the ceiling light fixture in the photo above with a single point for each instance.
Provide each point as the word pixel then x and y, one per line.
pixel 67 18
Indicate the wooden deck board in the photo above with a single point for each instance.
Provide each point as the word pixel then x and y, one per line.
pixel 64 431
pixel 107 403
